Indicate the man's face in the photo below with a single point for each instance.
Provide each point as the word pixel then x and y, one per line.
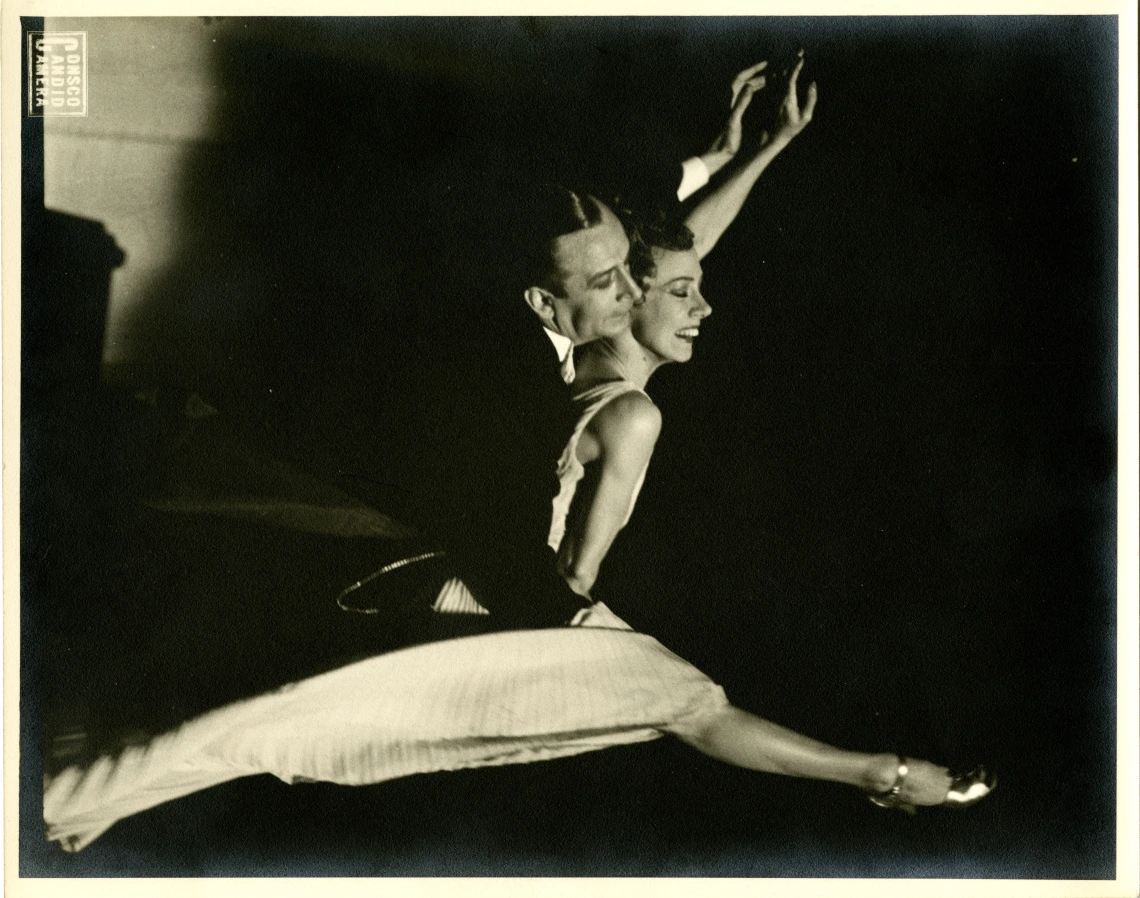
pixel 596 290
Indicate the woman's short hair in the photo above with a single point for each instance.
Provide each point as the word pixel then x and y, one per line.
pixel 660 229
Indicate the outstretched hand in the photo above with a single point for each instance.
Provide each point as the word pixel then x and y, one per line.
pixel 791 119
pixel 709 219
pixel 727 143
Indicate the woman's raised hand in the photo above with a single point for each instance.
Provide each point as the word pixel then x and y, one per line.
pixel 791 118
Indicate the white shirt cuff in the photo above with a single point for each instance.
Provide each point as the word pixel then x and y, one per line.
pixel 694 176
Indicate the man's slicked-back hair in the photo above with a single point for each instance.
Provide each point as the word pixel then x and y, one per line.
pixel 661 229
pixel 545 213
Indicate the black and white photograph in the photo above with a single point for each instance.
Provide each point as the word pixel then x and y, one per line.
pixel 570 447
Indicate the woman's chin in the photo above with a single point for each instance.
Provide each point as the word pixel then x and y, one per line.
pixel 665 352
pixel 682 354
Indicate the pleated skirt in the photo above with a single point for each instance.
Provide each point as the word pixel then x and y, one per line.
pixel 501 698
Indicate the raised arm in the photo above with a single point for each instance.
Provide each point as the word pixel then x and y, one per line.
pixel 625 432
pixel 712 216
pixel 727 143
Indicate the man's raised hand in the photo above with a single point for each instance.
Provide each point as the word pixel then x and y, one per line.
pixel 727 143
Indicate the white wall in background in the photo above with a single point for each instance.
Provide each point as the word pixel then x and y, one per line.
pixel 151 101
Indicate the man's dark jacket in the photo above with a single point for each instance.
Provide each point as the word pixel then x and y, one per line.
pixel 492 441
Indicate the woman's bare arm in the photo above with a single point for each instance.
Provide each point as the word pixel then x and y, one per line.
pixel 626 431
pixel 712 216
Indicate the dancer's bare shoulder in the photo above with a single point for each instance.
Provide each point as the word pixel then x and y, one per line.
pixel 626 429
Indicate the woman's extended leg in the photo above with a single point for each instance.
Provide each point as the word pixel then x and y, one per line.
pixel 738 737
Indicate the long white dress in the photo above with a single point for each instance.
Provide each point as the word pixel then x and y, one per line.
pixel 501 698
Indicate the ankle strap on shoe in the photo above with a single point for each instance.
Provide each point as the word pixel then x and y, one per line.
pixel 900 777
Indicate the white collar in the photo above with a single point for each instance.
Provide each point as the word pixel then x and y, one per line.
pixel 564 346
pixel 565 349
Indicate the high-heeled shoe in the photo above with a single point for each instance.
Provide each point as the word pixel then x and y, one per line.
pixel 966 789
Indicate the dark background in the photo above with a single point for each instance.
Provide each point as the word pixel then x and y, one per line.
pixel 881 510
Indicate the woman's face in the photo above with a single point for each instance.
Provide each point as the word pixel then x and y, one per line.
pixel 667 321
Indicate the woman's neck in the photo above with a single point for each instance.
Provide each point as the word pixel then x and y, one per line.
pixel 620 357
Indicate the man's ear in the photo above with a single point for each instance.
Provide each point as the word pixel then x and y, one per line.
pixel 541 302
